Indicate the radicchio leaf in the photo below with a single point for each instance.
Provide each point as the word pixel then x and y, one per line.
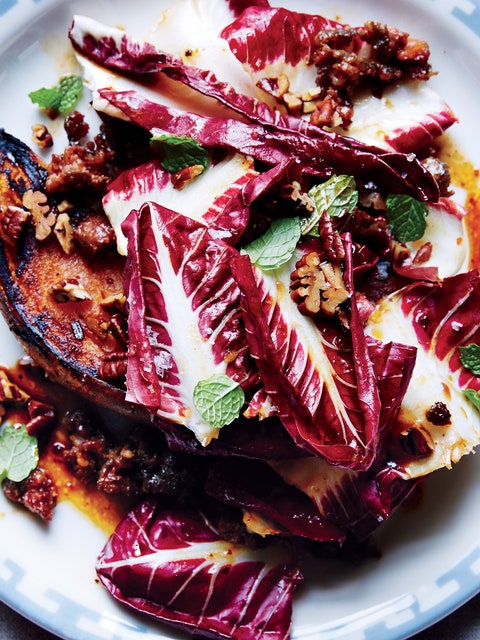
pixel 324 381
pixel 184 320
pixel 396 173
pixel 291 37
pixel 171 564
pixel 254 486
pixel 308 497
pixel 218 198
pixel 320 157
pixel 406 118
pixel 443 249
pixel 437 318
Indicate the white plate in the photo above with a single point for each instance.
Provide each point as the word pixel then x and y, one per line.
pixel 431 555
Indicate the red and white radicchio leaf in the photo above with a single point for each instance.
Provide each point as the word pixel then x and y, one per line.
pixel 215 197
pixel 276 42
pixel 335 391
pixel 437 318
pixel 185 323
pixel 291 42
pixel 171 564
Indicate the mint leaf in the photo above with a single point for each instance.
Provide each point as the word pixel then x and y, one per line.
pixel 70 88
pixel 18 452
pixel 276 246
pixel 406 217
pixel 178 152
pixel 473 397
pixel 470 358
pixel 336 196
pixel 61 98
pixel 218 399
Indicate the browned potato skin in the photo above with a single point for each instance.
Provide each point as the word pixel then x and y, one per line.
pixel 65 338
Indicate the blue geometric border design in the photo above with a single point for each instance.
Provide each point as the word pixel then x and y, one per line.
pixel 460 583
pixel 470 19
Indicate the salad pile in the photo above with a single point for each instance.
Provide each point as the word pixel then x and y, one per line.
pixel 301 311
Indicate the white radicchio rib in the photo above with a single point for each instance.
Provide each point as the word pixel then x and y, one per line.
pixel 336 392
pixel 185 322
pixel 436 318
pixel 171 564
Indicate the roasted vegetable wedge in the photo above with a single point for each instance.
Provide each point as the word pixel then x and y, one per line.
pixel 61 281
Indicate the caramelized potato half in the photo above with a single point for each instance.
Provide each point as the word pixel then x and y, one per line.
pixel 61 282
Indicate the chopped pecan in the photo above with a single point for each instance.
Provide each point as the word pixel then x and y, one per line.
pixel 306 284
pixel 117 327
pixel 37 493
pixel 116 303
pixel 94 234
pixel 65 206
pixel 293 103
pixel 317 286
pixel 44 219
pixel 41 416
pixel 70 290
pixel 185 176
pixel 75 126
pixel 388 55
pixel 423 254
pixel 79 169
pixel 9 391
pixel 64 232
pixel 41 136
pixel 336 292
pixel 300 196
pixel 332 244
pixel 12 221
pixel 277 86
pixel 114 366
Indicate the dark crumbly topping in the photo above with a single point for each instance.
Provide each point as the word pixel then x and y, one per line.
pixel 369 57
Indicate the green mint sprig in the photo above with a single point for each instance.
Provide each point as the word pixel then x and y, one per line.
pixel 406 217
pixel 276 246
pixel 218 399
pixel 470 358
pixel 178 152
pixel 61 98
pixel 336 196
pixel 473 397
pixel 18 452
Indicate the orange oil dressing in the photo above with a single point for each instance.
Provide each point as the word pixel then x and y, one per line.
pixel 103 510
pixel 467 177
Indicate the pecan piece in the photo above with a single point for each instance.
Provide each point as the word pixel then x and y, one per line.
pixel 41 136
pixel 12 221
pixel 114 366
pixel 117 327
pixel 317 286
pixel 9 391
pixel 332 244
pixel 276 86
pixel 306 284
pixel 37 493
pixel 94 235
pixel 70 290
pixel 64 232
pixel 185 176
pixel 115 303
pixel 44 219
